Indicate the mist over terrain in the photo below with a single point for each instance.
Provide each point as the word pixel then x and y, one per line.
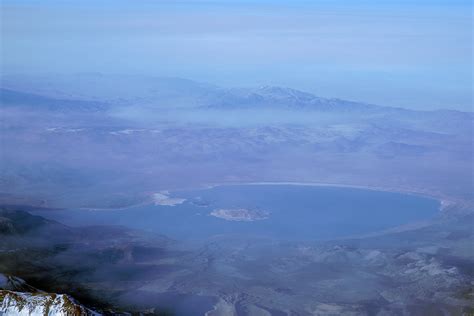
pixel 95 140
pixel 236 158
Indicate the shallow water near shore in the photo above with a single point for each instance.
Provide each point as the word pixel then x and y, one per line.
pixel 281 212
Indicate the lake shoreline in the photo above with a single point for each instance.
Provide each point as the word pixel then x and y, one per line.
pixel 446 202
pixel 448 205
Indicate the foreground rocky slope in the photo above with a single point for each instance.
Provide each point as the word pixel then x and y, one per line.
pixel 19 298
pixel 20 303
pixel 427 270
pixel 62 259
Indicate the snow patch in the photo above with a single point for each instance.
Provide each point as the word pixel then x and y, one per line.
pixel 163 198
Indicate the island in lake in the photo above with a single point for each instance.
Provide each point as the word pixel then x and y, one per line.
pixel 240 214
pixel 162 198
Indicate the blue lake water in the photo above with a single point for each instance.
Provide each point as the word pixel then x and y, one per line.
pixel 294 212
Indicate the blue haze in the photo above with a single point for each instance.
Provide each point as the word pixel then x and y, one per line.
pixel 415 54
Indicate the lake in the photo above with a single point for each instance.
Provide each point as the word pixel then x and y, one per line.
pixel 282 212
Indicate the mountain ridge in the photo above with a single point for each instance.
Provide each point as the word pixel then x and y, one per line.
pixel 99 90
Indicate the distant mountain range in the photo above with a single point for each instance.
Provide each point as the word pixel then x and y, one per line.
pixel 162 92
pixel 30 101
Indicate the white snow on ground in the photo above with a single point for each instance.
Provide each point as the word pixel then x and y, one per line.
pixel 127 131
pixel 163 198
pixel 40 304
pixel 240 214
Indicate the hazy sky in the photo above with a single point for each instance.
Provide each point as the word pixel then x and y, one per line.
pixel 414 54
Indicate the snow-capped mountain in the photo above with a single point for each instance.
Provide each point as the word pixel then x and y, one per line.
pixel 19 298
pixel 159 92
pixel 40 304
